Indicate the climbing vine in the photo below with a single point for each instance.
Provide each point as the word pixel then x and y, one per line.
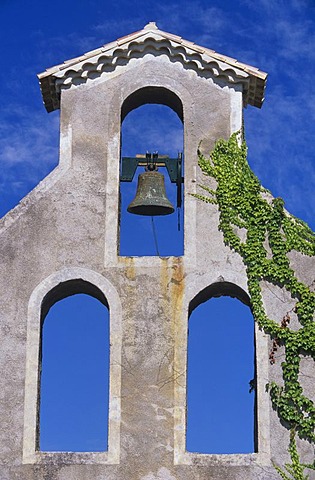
pixel 271 233
pixel 296 468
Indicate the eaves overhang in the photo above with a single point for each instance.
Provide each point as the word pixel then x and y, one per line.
pixel 204 61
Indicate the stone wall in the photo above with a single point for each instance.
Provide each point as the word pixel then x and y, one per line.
pixel 67 229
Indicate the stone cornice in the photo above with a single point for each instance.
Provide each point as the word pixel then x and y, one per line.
pixel 206 63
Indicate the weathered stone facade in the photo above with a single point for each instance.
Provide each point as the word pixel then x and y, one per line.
pixel 64 235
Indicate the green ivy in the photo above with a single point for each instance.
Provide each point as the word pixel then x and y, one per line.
pixel 296 468
pixel 244 204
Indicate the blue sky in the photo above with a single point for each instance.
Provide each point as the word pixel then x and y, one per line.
pixel 276 36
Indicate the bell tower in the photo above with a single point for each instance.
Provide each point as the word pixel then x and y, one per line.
pixel 63 238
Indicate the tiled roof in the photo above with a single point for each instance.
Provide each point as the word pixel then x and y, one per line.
pixel 104 59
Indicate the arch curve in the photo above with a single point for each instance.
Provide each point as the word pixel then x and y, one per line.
pixel 221 364
pixel 218 289
pixel 59 285
pixel 152 94
pixel 69 288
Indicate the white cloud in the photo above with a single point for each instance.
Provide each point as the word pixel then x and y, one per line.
pixel 281 151
pixel 194 21
pixel 151 128
pixel 28 151
pixel 24 138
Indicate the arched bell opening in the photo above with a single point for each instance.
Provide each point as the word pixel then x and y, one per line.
pixel 151 186
pixel 221 372
pixel 74 369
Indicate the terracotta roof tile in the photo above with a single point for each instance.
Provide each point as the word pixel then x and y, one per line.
pixel 257 78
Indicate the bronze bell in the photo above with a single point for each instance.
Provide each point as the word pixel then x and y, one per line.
pixel 151 197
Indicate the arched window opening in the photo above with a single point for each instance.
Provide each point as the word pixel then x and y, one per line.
pixel 221 399
pixel 152 122
pixel 74 383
